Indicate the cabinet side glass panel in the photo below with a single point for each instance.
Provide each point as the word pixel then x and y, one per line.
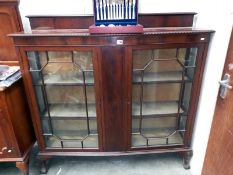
pixel 64 87
pixel 161 88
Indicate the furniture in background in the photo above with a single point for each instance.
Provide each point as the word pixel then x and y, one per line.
pixel 113 94
pixel 10 23
pixel 16 131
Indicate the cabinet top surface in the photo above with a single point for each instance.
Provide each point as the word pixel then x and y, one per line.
pixel 84 32
pixel 81 37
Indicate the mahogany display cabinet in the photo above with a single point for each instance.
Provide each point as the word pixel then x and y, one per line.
pixel 113 94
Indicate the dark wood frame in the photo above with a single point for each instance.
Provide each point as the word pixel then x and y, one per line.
pixel 114 98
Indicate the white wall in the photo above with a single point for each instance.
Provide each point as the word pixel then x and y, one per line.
pixel 212 14
pixel 215 15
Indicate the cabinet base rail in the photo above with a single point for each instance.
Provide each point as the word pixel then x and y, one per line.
pixel 44 156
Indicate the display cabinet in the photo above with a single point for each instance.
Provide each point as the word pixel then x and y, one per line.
pixel 113 94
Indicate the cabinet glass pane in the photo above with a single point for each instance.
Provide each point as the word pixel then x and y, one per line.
pixel 64 87
pixel 70 101
pixel 71 133
pixel 152 99
pixel 155 131
pixel 162 84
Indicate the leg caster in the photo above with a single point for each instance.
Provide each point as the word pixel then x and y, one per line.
pixel 186 159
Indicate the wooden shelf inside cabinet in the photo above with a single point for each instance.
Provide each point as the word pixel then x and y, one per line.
pixel 62 80
pixel 156 109
pixel 68 111
pixel 65 133
pixel 160 77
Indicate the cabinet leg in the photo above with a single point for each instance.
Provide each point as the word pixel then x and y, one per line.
pixel 23 167
pixel 186 159
pixel 44 166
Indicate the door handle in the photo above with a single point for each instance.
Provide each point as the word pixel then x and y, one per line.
pixel 224 85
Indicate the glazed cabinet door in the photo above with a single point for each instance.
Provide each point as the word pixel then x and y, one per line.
pixel 161 84
pixel 65 91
